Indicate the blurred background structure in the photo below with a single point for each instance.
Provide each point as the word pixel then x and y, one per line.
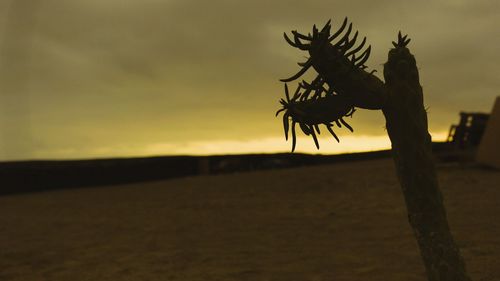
pixel 489 148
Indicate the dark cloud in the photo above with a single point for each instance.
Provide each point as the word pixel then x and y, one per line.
pixel 88 73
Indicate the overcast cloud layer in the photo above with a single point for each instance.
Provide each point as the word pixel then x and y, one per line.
pixel 81 77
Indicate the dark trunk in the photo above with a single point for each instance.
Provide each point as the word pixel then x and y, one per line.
pixel 411 146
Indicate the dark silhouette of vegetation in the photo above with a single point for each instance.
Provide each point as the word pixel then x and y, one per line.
pixel 343 84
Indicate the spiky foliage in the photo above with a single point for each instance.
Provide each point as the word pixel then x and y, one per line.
pixel 327 99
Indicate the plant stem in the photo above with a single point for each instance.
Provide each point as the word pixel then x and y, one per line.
pixel 406 122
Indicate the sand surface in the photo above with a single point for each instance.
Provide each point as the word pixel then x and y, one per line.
pixel 337 222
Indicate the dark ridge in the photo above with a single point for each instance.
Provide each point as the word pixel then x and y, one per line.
pixel 35 176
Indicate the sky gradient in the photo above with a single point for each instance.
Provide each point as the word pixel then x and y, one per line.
pixel 93 78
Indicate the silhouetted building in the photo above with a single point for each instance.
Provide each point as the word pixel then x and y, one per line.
pixel 469 131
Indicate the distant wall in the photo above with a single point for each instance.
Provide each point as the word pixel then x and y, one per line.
pixel 34 176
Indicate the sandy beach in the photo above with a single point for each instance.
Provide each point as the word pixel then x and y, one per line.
pixel 344 221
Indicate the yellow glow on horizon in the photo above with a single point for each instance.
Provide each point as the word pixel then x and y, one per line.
pixel 328 145
pixel 348 144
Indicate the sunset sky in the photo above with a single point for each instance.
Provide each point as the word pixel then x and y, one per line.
pixel 107 78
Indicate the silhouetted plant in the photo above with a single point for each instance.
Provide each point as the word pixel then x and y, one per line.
pixel 343 83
